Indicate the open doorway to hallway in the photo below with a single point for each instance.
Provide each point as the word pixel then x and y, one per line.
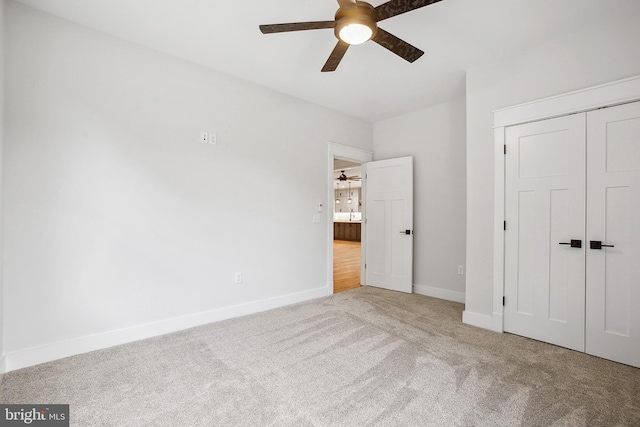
pixel 347 225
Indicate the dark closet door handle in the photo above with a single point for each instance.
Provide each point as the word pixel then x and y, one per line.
pixel 597 244
pixel 573 243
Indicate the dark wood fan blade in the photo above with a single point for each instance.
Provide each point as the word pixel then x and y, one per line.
pixel 397 7
pixel 296 26
pixel 397 46
pixel 336 56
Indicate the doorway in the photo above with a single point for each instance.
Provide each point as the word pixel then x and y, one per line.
pixel 355 155
pixel 386 236
pixel 347 224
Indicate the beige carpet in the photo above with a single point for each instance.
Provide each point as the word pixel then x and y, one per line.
pixel 361 357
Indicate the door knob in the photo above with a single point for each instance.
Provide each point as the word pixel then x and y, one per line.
pixel 406 232
pixel 574 243
pixel 597 244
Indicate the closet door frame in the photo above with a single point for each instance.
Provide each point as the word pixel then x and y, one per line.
pixel 610 94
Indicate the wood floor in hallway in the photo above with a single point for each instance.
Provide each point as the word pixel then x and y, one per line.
pixel 346 265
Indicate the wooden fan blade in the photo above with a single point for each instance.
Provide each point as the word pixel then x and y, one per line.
pixel 397 46
pixel 336 56
pixel 398 7
pixel 296 26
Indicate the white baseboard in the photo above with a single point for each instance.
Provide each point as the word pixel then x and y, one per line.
pixel 330 287
pixel 477 319
pixel 496 322
pixel 445 294
pixel 3 367
pixel 47 353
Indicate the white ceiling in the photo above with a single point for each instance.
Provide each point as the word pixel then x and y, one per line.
pixel 371 83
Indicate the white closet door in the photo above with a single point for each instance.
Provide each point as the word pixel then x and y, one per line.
pixel 544 207
pixel 613 215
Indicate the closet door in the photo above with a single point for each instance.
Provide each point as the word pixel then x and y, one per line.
pixel 544 212
pixel 613 215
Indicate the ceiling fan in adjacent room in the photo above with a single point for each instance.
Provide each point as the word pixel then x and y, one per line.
pixel 355 23
pixel 344 177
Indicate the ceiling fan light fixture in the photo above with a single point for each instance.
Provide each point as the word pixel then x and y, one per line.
pixel 355 24
pixel 355 33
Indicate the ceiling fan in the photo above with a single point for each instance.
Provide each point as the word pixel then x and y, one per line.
pixel 355 23
pixel 344 177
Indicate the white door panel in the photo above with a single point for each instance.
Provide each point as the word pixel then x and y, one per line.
pixel 613 215
pixel 389 211
pixel 544 207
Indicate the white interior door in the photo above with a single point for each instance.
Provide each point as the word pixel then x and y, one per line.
pixel 389 224
pixel 613 218
pixel 544 212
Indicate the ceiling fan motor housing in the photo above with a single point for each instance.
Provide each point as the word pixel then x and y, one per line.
pixel 358 13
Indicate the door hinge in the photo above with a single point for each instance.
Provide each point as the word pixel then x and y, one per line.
pixel 505 149
pixel 503 301
pixel 365 266
pixel 505 225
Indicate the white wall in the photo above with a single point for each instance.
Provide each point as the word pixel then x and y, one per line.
pixel 435 137
pixel 598 55
pixel 117 217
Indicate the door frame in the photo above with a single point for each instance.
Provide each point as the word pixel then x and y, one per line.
pixel 606 95
pixel 353 154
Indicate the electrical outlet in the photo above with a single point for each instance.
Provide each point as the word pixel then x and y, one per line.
pixel 204 137
pixel 213 140
pixel 238 277
pixel 460 270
